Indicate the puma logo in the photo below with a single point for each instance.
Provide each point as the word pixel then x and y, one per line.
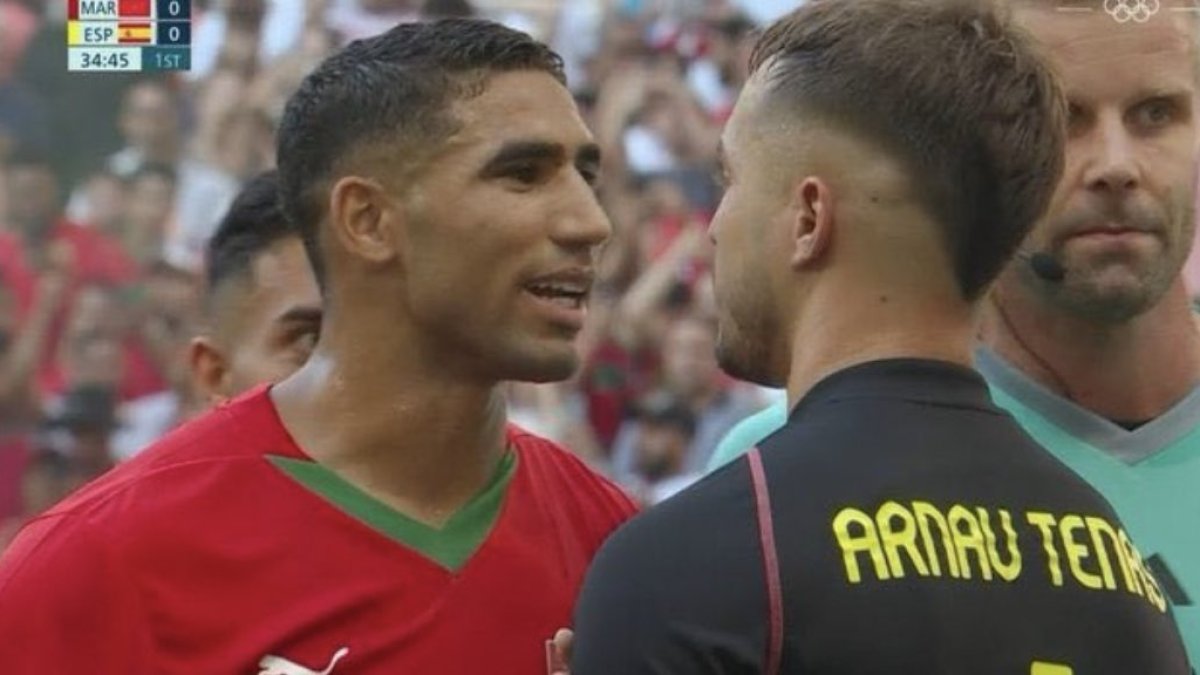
pixel 277 665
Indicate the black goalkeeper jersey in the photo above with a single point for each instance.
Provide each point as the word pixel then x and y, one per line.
pixel 899 523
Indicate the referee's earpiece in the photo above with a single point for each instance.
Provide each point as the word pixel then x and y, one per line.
pixel 1044 265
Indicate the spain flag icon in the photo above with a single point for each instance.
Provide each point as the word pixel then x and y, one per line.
pixel 134 33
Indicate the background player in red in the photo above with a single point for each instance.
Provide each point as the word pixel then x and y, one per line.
pixel 374 513
pixel 262 306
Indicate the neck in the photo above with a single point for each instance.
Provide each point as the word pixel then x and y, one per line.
pixel 370 408
pixel 891 324
pixel 1130 371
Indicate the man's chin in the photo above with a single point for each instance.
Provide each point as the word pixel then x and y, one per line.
pixel 546 367
pixel 745 366
pixel 1112 301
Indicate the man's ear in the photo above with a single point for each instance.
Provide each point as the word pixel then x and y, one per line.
pixel 211 377
pixel 812 225
pixel 361 216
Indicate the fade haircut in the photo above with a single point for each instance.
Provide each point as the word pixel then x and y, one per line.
pixel 252 225
pixel 394 91
pixel 953 90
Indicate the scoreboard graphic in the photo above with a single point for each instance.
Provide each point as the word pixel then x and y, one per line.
pixel 129 35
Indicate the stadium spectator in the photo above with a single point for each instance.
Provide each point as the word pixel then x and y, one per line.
pixel 151 123
pixel 17 25
pixel 102 202
pixel 80 427
pixel 41 237
pixel 21 350
pixel 148 210
pixel 666 428
pixel 77 110
pixel 690 375
pixel 719 74
pixel 164 316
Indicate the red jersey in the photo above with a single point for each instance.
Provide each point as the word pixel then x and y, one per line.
pixel 225 549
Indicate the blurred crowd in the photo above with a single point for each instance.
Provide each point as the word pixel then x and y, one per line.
pixel 111 185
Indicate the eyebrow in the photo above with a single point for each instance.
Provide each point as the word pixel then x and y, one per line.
pixel 1153 92
pixel 513 152
pixel 588 155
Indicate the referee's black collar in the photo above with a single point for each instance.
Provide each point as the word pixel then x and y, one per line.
pixel 907 379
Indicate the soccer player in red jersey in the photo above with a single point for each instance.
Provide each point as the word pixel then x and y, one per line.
pixel 262 305
pixel 373 513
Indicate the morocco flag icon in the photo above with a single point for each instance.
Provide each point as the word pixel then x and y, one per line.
pixel 133 8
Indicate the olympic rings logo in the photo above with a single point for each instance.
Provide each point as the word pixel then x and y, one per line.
pixel 1139 11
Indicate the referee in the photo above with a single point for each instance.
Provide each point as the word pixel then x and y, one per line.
pixel 883 162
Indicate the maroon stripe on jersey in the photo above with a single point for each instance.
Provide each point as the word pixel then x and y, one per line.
pixel 766 538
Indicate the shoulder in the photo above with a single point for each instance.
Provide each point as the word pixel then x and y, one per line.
pixel 181 467
pixel 51 549
pixel 61 575
pixel 711 513
pixel 679 586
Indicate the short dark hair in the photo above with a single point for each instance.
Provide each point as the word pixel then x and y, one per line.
pixel 954 90
pixel 252 225
pixel 395 87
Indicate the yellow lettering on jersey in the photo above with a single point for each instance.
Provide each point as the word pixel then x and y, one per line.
pixel 1044 522
pixel 1153 592
pixel 967 538
pixel 1043 668
pixel 1130 559
pixel 900 539
pixel 1076 552
pixel 926 513
pixel 853 544
pixel 896 538
pixel 1100 529
pixel 1012 569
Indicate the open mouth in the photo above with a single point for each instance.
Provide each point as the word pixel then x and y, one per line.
pixel 565 295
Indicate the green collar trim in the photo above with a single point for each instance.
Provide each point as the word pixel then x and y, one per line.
pixel 449 546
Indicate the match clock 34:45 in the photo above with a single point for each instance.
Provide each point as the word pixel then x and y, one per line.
pixel 105 59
